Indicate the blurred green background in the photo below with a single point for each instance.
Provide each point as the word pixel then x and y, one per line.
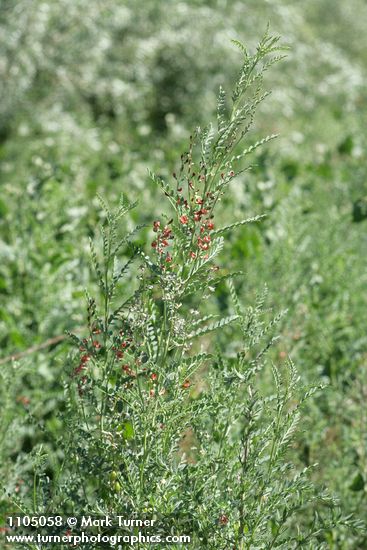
pixel 93 93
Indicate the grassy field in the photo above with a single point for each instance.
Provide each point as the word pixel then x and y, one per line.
pixel 94 96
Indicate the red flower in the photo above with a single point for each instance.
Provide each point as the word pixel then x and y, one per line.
pixel 168 258
pixel 156 225
pixel 223 519
pixel 186 384
pixel 167 233
pixel 193 255
pixel 210 225
pixel 23 399
pixel 153 376
pixel 128 370
pixel 204 243
pixel 96 344
pixel 79 368
pixel 231 173
pixel 184 219
pixel 154 244
pixel 85 358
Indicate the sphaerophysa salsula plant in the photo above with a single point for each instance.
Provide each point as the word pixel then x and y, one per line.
pixel 161 421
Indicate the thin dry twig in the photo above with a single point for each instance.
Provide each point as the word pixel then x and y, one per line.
pixel 50 342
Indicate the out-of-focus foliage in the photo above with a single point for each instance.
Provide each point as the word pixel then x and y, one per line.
pixel 94 93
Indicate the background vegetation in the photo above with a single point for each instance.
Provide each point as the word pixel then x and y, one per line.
pixel 95 93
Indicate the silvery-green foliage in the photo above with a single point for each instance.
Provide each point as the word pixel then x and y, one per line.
pixel 160 419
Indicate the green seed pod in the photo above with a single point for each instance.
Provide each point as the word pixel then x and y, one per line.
pixel 117 487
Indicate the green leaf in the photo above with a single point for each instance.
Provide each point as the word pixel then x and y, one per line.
pixel 237 224
pixel 214 326
pixel 253 147
pixel 216 247
pixel 128 432
pixel 221 110
pixel 357 483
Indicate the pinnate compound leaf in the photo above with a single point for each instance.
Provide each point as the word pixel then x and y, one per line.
pixel 214 326
pixel 238 224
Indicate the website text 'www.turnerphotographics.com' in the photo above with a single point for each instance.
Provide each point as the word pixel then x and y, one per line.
pixel 75 531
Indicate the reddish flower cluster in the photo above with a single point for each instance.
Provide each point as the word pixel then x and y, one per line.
pixel 223 519
pixel 204 240
pixel 82 384
pixel 18 485
pixel 90 344
pixel 162 241
pixel 83 363
pixel 23 399
pixel 124 342
pixel 128 370
pixel 230 174
pixel 198 214
pixel 204 243
pixel 191 216
pixel 194 210
pixel 89 348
